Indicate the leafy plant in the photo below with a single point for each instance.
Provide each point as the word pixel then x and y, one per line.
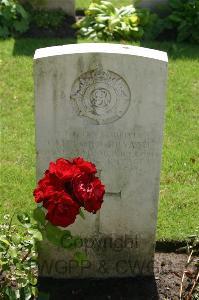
pixel 104 21
pixel 14 19
pixel 184 18
pixel 55 235
pixel 18 259
pixel 48 19
pixel 18 253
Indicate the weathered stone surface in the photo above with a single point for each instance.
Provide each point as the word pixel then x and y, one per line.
pixel 105 102
pixel 66 5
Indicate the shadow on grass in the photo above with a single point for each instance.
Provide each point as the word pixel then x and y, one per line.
pixel 143 288
pixel 27 46
pixel 174 50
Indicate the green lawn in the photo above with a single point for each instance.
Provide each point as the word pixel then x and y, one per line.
pixel 178 195
pixel 85 3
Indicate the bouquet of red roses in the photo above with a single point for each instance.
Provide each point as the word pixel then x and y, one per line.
pixel 67 186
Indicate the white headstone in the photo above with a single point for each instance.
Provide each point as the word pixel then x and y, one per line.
pixel 105 102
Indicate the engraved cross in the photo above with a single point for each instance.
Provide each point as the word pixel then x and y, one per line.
pixel 114 194
pixel 111 193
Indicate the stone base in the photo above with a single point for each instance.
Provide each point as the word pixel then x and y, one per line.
pixel 105 258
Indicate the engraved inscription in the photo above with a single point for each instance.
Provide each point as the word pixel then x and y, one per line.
pixel 101 95
pixel 119 154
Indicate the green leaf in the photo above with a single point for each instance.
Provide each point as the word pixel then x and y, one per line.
pixel 21 11
pixel 17 294
pixel 54 234
pixel 36 234
pixel 34 290
pixel 13 252
pixel 39 215
pixel 11 293
pixel 23 218
pixel 80 257
pixel 68 243
pixel 5 2
pixel 82 214
pixel 109 5
pixel 26 293
pixel 32 279
pixel 4 241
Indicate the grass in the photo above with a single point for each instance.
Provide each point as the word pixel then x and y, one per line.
pixel 85 3
pixel 178 193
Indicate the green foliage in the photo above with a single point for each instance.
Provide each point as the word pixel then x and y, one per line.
pixel 18 253
pixel 47 18
pixel 39 216
pixel 81 214
pixel 55 235
pixel 103 21
pixel 192 246
pixel 18 259
pixel 14 19
pixel 184 18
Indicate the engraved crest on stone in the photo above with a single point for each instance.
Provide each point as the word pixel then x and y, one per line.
pixel 101 95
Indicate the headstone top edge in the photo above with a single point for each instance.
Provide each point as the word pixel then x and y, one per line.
pixel 101 48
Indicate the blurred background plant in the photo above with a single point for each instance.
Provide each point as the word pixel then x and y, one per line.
pixel 14 19
pixel 103 21
pixel 17 17
pixel 48 19
pixel 184 20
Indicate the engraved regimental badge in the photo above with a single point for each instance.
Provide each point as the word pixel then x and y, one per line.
pixel 101 95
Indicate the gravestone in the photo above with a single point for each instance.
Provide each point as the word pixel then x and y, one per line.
pixel 104 102
pixel 158 6
pixel 66 5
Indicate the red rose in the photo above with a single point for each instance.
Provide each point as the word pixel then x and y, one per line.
pixel 65 187
pixel 46 186
pixel 62 210
pixel 63 169
pixel 40 191
pixel 85 166
pixel 89 191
